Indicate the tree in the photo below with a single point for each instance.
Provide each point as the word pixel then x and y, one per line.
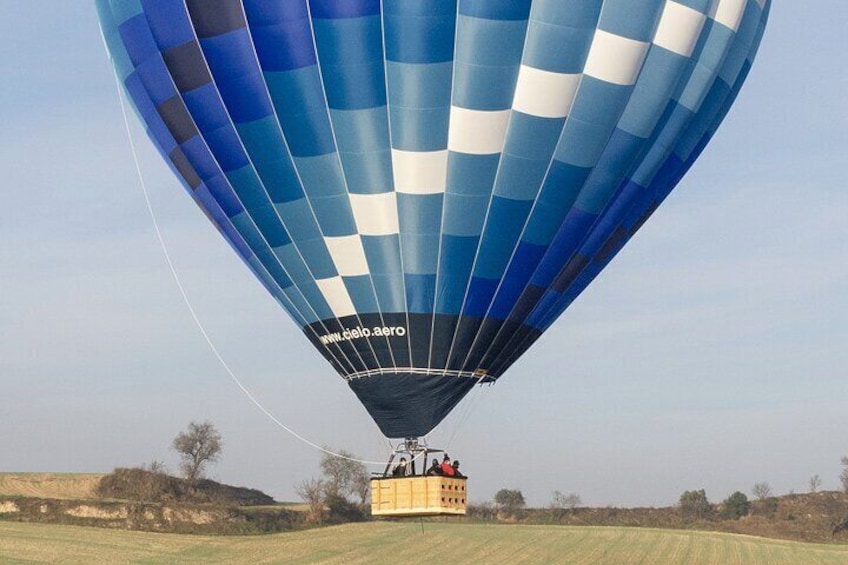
pixel 694 504
pixel 509 500
pixel 762 491
pixel 735 506
pixel 815 483
pixel 199 445
pixel 844 476
pixel 345 476
pixel 560 501
pixel 314 494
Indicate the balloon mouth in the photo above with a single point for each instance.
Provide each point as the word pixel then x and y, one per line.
pixel 411 403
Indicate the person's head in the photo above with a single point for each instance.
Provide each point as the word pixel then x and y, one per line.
pixel 402 461
pixel 456 464
pixel 435 462
pixel 446 458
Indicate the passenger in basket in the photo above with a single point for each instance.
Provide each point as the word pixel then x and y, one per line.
pixel 401 470
pixel 447 468
pixel 456 472
pixel 435 469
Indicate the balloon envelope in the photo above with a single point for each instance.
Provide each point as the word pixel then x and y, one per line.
pixel 426 185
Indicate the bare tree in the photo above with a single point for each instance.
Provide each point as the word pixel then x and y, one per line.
pixel 815 483
pixel 762 491
pixel 345 476
pixel 313 492
pixel 844 476
pixel 199 445
pixel 560 501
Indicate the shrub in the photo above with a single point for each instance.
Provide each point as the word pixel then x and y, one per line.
pixel 735 506
pixel 694 504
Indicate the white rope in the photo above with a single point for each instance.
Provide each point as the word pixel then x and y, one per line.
pixel 191 309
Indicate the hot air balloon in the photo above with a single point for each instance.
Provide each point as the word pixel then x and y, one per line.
pixel 424 186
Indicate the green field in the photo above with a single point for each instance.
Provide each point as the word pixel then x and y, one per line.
pixel 385 542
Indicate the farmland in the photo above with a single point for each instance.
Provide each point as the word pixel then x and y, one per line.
pixel 403 542
pixel 50 485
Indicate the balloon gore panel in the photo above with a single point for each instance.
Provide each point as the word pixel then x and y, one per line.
pixel 424 187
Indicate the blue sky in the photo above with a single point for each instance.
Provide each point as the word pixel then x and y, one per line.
pixel 711 354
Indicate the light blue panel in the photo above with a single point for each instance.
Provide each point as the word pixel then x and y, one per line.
pixel 582 143
pixel 419 86
pixel 660 74
pixel 634 19
pixel 321 175
pixel 532 137
pixel 464 214
pixel 295 266
pixel 419 213
pixel 350 52
pixel 361 130
pixel 471 174
pixel 520 179
pixel 122 10
pixel 313 296
pixel 487 59
pixel 419 105
pixel 298 219
pixel 361 293
pixel 420 253
pixel 334 215
pixel 424 129
pixel 390 290
pixel 382 252
pixel 484 88
pixel 317 258
pixel 300 104
pixel 560 33
pixel 246 185
pixel 368 173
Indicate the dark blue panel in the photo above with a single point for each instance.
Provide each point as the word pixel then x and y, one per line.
pixel 169 22
pixel 480 294
pixel 496 9
pixel 235 238
pixel 215 17
pixel 271 12
pixel 206 108
pixel 246 98
pixel 283 45
pixel 223 193
pixel 155 126
pixel 138 40
pixel 225 145
pixel 344 8
pixel 187 66
pixel 566 242
pixel 176 117
pixel 269 224
pixel 197 152
pixel 515 280
pixel 184 167
pixel 157 81
pixel 420 292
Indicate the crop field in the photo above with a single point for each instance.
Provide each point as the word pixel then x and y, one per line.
pixel 49 485
pixel 392 542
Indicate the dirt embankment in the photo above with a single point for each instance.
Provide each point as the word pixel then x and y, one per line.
pixel 176 518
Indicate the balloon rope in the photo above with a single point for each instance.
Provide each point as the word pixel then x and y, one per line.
pixel 467 409
pixel 191 309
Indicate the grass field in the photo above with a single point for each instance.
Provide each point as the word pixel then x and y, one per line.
pixel 385 542
pixel 49 485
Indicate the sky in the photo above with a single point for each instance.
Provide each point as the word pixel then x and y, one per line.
pixel 711 354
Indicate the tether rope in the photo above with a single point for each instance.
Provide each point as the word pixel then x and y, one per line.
pixel 191 309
